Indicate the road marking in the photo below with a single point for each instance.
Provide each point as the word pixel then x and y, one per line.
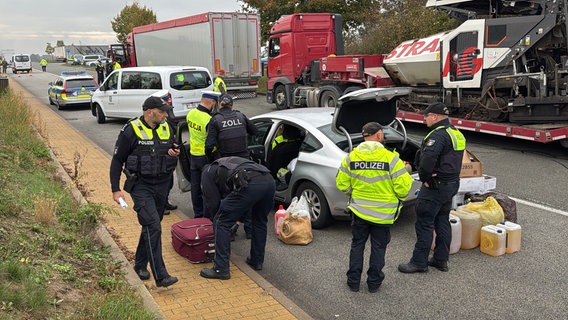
pixel 540 206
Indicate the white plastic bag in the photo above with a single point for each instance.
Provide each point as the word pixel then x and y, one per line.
pixel 301 208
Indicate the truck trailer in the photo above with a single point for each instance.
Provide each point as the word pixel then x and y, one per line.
pixel 505 73
pixel 214 40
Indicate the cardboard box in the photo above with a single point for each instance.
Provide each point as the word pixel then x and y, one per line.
pixel 471 166
pixel 472 184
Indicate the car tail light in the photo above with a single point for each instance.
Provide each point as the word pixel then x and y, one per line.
pixel 169 100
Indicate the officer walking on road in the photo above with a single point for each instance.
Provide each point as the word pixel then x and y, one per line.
pixel 145 148
pixel 233 186
pixel 377 181
pixel 439 163
pixel 43 64
pixel 197 121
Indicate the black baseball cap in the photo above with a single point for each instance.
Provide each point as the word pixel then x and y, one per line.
pixel 437 108
pixel 156 103
pixel 370 128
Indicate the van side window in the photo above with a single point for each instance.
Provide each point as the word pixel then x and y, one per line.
pixel 150 80
pixel 189 80
pixel 131 80
pixel 112 82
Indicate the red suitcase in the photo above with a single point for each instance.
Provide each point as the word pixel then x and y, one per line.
pixel 194 240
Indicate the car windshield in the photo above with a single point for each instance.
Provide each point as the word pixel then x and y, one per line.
pixel 75 83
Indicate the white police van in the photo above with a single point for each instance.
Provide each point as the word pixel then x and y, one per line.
pixel 124 91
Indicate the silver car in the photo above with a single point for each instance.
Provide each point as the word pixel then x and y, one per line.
pixel 325 136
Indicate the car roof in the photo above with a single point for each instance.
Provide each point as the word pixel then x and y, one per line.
pixel 305 117
pixel 81 74
pixel 163 68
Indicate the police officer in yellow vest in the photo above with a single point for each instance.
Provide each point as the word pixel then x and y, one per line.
pixel 145 148
pixel 197 121
pixel 439 163
pixel 43 64
pixel 377 181
pixel 219 83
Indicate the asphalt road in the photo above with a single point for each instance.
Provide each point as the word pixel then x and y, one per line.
pixel 530 284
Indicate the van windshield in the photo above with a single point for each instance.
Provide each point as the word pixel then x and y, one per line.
pixel 190 80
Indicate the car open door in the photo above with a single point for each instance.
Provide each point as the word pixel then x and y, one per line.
pixel 184 162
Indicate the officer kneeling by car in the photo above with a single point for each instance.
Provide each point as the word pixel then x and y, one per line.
pixel 231 187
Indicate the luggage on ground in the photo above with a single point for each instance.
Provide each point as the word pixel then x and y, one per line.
pixel 194 240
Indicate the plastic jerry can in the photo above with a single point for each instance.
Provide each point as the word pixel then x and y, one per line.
pixel 493 240
pixel 278 217
pixel 513 243
pixel 470 226
pixel 455 245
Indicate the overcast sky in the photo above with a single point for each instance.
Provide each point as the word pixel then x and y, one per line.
pixel 26 26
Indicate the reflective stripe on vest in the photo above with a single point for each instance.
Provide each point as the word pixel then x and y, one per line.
pixel 458 140
pixel 146 133
pixel 381 212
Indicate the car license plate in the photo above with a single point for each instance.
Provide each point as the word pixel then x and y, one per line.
pixel 190 105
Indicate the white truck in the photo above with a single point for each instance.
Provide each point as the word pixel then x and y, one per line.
pixel 214 40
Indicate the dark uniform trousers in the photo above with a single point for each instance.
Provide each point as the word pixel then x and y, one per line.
pixel 433 213
pixel 150 203
pixel 380 238
pixel 196 167
pixel 258 197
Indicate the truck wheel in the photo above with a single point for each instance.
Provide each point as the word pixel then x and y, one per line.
pixel 317 203
pixel 329 99
pixel 100 115
pixel 280 98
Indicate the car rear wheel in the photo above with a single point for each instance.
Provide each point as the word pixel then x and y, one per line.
pixel 318 207
pixel 59 107
pixel 51 101
pixel 100 115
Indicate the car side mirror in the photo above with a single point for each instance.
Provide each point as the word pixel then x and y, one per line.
pixel 51 83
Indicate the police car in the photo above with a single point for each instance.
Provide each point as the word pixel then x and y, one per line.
pixel 71 88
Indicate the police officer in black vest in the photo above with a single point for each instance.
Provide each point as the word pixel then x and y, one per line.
pixel 145 148
pixel 439 163
pixel 227 132
pixel 233 186
pixel 227 136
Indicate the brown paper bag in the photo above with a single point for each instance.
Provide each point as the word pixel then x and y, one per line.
pixel 296 229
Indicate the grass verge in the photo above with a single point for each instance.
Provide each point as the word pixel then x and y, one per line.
pixel 51 264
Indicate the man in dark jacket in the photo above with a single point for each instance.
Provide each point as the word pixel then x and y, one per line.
pixel 439 164
pixel 231 187
pixel 227 132
pixel 145 149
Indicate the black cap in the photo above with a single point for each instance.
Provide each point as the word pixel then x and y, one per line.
pixel 371 128
pixel 226 100
pixel 156 103
pixel 437 108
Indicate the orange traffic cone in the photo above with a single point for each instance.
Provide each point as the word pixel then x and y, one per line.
pixel 19 73
pixel 30 72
